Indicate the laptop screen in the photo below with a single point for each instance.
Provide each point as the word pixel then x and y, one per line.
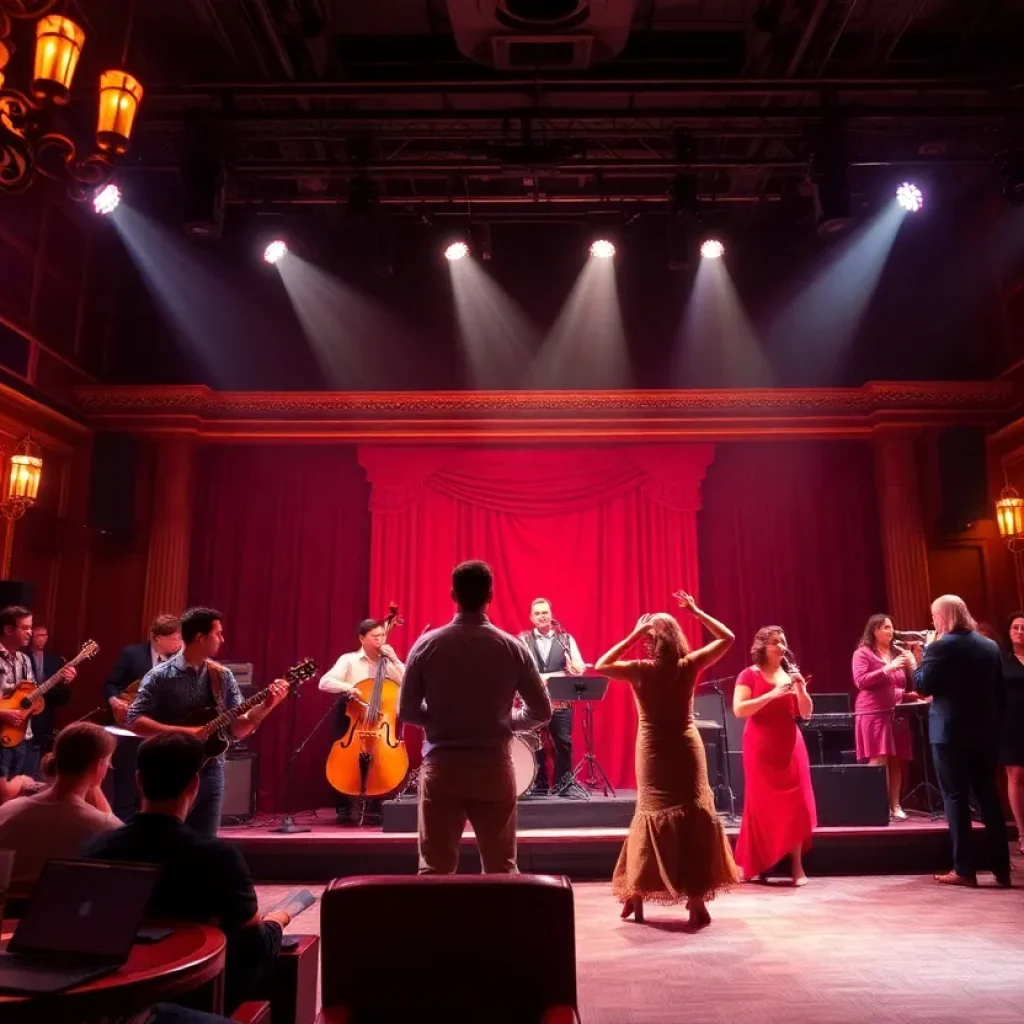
pixel 85 907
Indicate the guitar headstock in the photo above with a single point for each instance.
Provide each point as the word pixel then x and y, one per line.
pixel 89 650
pixel 299 673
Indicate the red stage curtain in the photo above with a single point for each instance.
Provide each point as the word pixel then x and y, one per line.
pixel 789 536
pixel 280 543
pixel 604 533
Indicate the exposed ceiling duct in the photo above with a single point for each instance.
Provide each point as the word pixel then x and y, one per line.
pixel 552 35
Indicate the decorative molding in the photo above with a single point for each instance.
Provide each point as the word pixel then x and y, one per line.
pixel 517 414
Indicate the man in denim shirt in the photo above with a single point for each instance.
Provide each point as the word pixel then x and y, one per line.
pixel 189 682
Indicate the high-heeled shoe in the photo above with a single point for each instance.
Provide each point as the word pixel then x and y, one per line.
pixel 635 907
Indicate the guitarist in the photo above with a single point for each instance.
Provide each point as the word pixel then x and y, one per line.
pixel 16 670
pixel 190 682
pixel 137 659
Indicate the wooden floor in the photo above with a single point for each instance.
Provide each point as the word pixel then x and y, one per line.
pixel 857 949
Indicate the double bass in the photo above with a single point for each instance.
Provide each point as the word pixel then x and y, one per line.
pixel 370 760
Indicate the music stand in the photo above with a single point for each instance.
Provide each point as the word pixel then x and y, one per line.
pixel 584 690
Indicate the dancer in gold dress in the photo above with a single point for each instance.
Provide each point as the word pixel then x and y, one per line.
pixel 676 849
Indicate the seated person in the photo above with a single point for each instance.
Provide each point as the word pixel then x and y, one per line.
pixel 57 821
pixel 203 879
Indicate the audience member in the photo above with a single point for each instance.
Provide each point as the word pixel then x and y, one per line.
pixel 203 879
pixel 57 821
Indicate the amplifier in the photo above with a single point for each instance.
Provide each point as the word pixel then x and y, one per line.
pixel 852 794
pixel 239 788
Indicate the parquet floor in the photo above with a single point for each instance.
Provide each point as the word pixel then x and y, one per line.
pixel 866 949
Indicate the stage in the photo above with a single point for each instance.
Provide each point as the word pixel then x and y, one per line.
pixel 917 846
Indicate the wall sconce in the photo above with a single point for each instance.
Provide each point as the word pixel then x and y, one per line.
pixel 25 470
pixel 1010 518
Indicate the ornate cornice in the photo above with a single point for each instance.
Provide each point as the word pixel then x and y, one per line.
pixel 518 414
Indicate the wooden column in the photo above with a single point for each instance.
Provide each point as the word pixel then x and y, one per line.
pixel 170 539
pixel 904 546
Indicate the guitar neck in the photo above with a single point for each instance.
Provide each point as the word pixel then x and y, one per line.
pixel 225 718
pixel 44 688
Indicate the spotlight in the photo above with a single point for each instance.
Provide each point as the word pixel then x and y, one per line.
pixel 602 249
pixel 712 249
pixel 275 252
pixel 910 197
pixel 107 199
pixel 829 175
pixel 456 251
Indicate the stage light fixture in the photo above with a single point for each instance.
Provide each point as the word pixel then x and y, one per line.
pixel 829 172
pixel 910 197
pixel 456 251
pixel 712 249
pixel 602 249
pixel 275 252
pixel 106 199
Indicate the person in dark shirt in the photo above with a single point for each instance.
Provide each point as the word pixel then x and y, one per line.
pixel 203 879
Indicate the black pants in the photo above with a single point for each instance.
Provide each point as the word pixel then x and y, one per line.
pixel 962 771
pixel 560 729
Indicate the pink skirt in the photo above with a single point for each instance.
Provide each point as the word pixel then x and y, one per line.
pixel 883 733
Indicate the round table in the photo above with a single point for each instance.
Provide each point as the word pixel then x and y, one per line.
pixel 191 957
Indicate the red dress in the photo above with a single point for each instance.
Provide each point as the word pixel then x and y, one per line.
pixel 778 802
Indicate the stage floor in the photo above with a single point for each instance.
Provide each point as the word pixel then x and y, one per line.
pixel 329 850
pixel 839 950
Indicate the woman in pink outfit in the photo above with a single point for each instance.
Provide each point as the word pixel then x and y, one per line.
pixel 884 678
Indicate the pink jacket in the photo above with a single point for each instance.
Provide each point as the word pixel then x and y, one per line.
pixel 881 686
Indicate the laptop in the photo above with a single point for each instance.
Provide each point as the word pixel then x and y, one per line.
pixel 79 924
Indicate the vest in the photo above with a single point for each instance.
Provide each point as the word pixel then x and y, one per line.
pixel 555 661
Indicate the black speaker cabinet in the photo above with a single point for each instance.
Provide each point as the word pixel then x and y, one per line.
pixel 850 794
pixel 115 458
pixel 239 788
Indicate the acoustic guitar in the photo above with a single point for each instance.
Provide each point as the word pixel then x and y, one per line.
pixel 28 698
pixel 213 724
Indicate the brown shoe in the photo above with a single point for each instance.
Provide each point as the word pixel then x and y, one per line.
pixel 952 878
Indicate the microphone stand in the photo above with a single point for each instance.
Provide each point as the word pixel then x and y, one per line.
pixel 723 782
pixel 570 786
pixel 288 826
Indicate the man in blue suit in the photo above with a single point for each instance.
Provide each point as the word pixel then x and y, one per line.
pixel 962 672
pixel 44 664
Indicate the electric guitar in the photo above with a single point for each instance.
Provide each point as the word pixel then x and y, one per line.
pixel 28 698
pixel 213 724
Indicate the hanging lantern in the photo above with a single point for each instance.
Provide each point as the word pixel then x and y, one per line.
pixel 1010 516
pixel 26 472
pixel 120 96
pixel 59 44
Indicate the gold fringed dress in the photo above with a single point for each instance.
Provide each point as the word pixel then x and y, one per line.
pixel 676 848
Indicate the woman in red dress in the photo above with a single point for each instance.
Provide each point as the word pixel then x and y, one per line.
pixel 883 678
pixel 778 803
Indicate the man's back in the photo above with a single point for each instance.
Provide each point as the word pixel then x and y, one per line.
pixel 39 828
pixel 202 880
pixel 962 672
pixel 468 674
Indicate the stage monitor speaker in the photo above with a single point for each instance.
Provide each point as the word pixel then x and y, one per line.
pixel 115 459
pixel 239 789
pixel 850 794
pixel 17 592
pixel 963 478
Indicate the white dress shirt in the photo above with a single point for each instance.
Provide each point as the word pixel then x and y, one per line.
pixel 353 668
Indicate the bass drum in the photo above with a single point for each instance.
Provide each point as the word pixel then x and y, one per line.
pixel 524 763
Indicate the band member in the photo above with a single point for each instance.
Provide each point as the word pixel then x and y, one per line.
pixel 348 671
pixel 883 676
pixel 16 669
pixel 189 682
pixel 460 688
pixel 550 655
pixel 137 659
pixel 779 814
pixel 963 674
pixel 44 665
pixel 1011 746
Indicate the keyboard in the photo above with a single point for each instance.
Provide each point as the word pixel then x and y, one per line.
pixel 828 721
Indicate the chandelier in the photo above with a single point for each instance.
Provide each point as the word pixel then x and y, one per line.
pixel 33 139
